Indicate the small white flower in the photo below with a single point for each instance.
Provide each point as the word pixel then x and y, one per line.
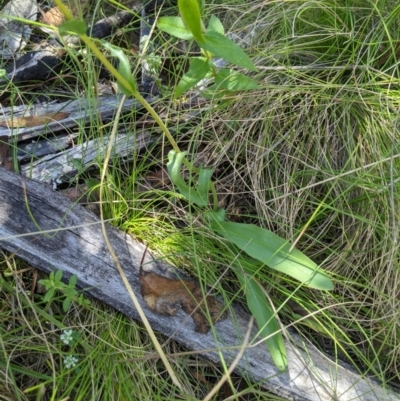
pixel 66 337
pixel 70 361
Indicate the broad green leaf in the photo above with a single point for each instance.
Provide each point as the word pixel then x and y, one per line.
pixel 265 317
pixel 175 160
pixel 124 69
pixel 234 81
pixel 49 294
pixel 269 248
pixel 198 69
pixel 223 47
pixel 190 13
pixel 175 27
pixel 76 26
pixel 215 25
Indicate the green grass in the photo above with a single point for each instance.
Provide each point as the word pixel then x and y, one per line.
pixel 313 155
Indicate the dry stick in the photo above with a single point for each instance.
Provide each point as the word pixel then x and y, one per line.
pixel 118 265
pixel 225 377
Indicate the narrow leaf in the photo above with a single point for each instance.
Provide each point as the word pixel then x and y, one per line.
pixel 175 27
pixel 223 47
pixel 234 81
pixel 124 69
pixel 58 276
pixel 198 69
pixel 49 294
pixel 203 183
pixel 266 319
pixel 66 304
pixel 44 282
pixel 190 13
pixel 269 248
pixel 73 280
pixel 77 27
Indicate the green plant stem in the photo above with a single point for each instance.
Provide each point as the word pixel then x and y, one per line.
pixel 147 106
pixel 89 43
pixel 92 46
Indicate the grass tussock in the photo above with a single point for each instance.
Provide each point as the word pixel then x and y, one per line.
pixel 312 155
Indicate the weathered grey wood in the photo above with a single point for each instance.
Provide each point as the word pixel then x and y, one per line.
pixel 42 147
pixel 77 247
pixel 52 168
pixel 81 110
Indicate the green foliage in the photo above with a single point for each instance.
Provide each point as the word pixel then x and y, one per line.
pixel 174 26
pixel 274 251
pixel 213 44
pixel 215 25
pixel 199 68
pixel 265 318
pixel 77 27
pixel 260 244
pixel 233 81
pixel 198 196
pixel 220 46
pixel 190 12
pixel 54 283
pixel 124 69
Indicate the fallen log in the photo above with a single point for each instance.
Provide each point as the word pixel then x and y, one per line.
pixel 77 247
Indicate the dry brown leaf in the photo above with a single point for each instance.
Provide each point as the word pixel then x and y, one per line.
pixel 53 17
pixel 34 121
pixel 165 295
